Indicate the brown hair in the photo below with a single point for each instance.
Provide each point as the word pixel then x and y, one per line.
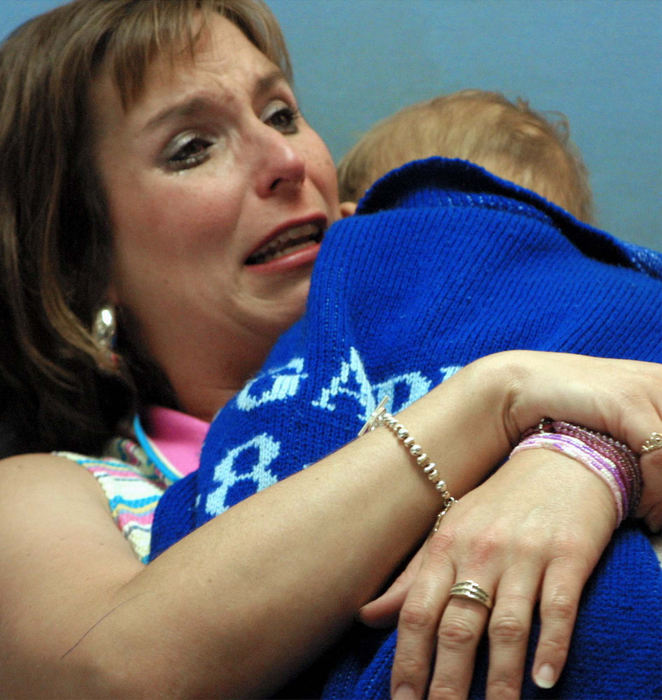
pixel 508 138
pixel 54 236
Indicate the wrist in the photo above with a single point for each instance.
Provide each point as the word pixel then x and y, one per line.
pixel 381 417
pixel 500 383
pixel 460 423
pixel 613 462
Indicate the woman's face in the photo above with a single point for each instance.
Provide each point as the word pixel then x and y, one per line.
pixel 218 193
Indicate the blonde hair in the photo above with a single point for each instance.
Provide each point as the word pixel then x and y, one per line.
pixel 507 138
pixel 54 235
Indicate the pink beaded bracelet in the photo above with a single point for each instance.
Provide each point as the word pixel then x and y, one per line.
pixel 615 463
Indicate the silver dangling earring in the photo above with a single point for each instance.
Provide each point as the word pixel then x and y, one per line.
pixel 104 332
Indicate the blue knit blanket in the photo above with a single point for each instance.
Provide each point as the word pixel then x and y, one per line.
pixel 443 264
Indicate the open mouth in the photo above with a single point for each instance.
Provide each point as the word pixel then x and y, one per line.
pixel 286 243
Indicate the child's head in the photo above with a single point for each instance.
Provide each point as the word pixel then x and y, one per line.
pixel 508 139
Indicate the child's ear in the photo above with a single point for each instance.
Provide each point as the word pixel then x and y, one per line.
pixel 347 209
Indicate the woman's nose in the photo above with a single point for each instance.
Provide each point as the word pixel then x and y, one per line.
pixel 281 168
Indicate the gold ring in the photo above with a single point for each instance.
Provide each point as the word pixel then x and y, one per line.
pixel 651 443
pixel 472 591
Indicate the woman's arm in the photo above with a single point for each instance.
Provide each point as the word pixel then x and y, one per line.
pixel 242 604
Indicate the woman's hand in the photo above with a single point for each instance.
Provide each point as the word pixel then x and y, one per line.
pixel 650 506
pixel 620 397
pixel 533 531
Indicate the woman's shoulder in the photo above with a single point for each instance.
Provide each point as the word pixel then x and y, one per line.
pixel 44 500
pixel 50 505
pixel 132 486
pixel 124 483
pixel 57 538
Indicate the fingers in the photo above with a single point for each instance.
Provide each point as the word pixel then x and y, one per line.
pixel 650 506
pixel 419 621
pixel 637 416
pixel 463 624
pixel 461 628
pixel 653 518
pixel 508 630
pixel 651 448
pixel 558 612
pixel 534 529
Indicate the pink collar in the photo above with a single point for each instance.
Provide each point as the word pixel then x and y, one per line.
pixel 172 440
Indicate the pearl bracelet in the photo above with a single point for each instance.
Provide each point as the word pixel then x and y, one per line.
pixel 380 416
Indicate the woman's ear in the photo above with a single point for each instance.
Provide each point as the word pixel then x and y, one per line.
pixel 347 209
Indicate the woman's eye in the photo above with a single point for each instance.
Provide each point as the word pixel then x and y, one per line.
pixel 188 151
pixel 283 118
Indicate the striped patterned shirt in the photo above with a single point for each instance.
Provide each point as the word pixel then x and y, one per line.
pixel 134 473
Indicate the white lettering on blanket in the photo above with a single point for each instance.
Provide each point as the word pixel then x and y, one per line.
pixel 245 468
pixel 283 382
pixel 352 381
pixel 267 450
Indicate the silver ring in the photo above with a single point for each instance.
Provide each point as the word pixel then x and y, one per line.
pixel 651 443
pixel 472 591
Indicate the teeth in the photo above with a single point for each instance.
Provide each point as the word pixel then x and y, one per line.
pixel 286 243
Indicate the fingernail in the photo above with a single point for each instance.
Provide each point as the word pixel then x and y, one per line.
pixel 546 677
pixel 404 692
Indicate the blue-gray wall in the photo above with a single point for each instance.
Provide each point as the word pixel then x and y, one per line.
pixel 598 61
